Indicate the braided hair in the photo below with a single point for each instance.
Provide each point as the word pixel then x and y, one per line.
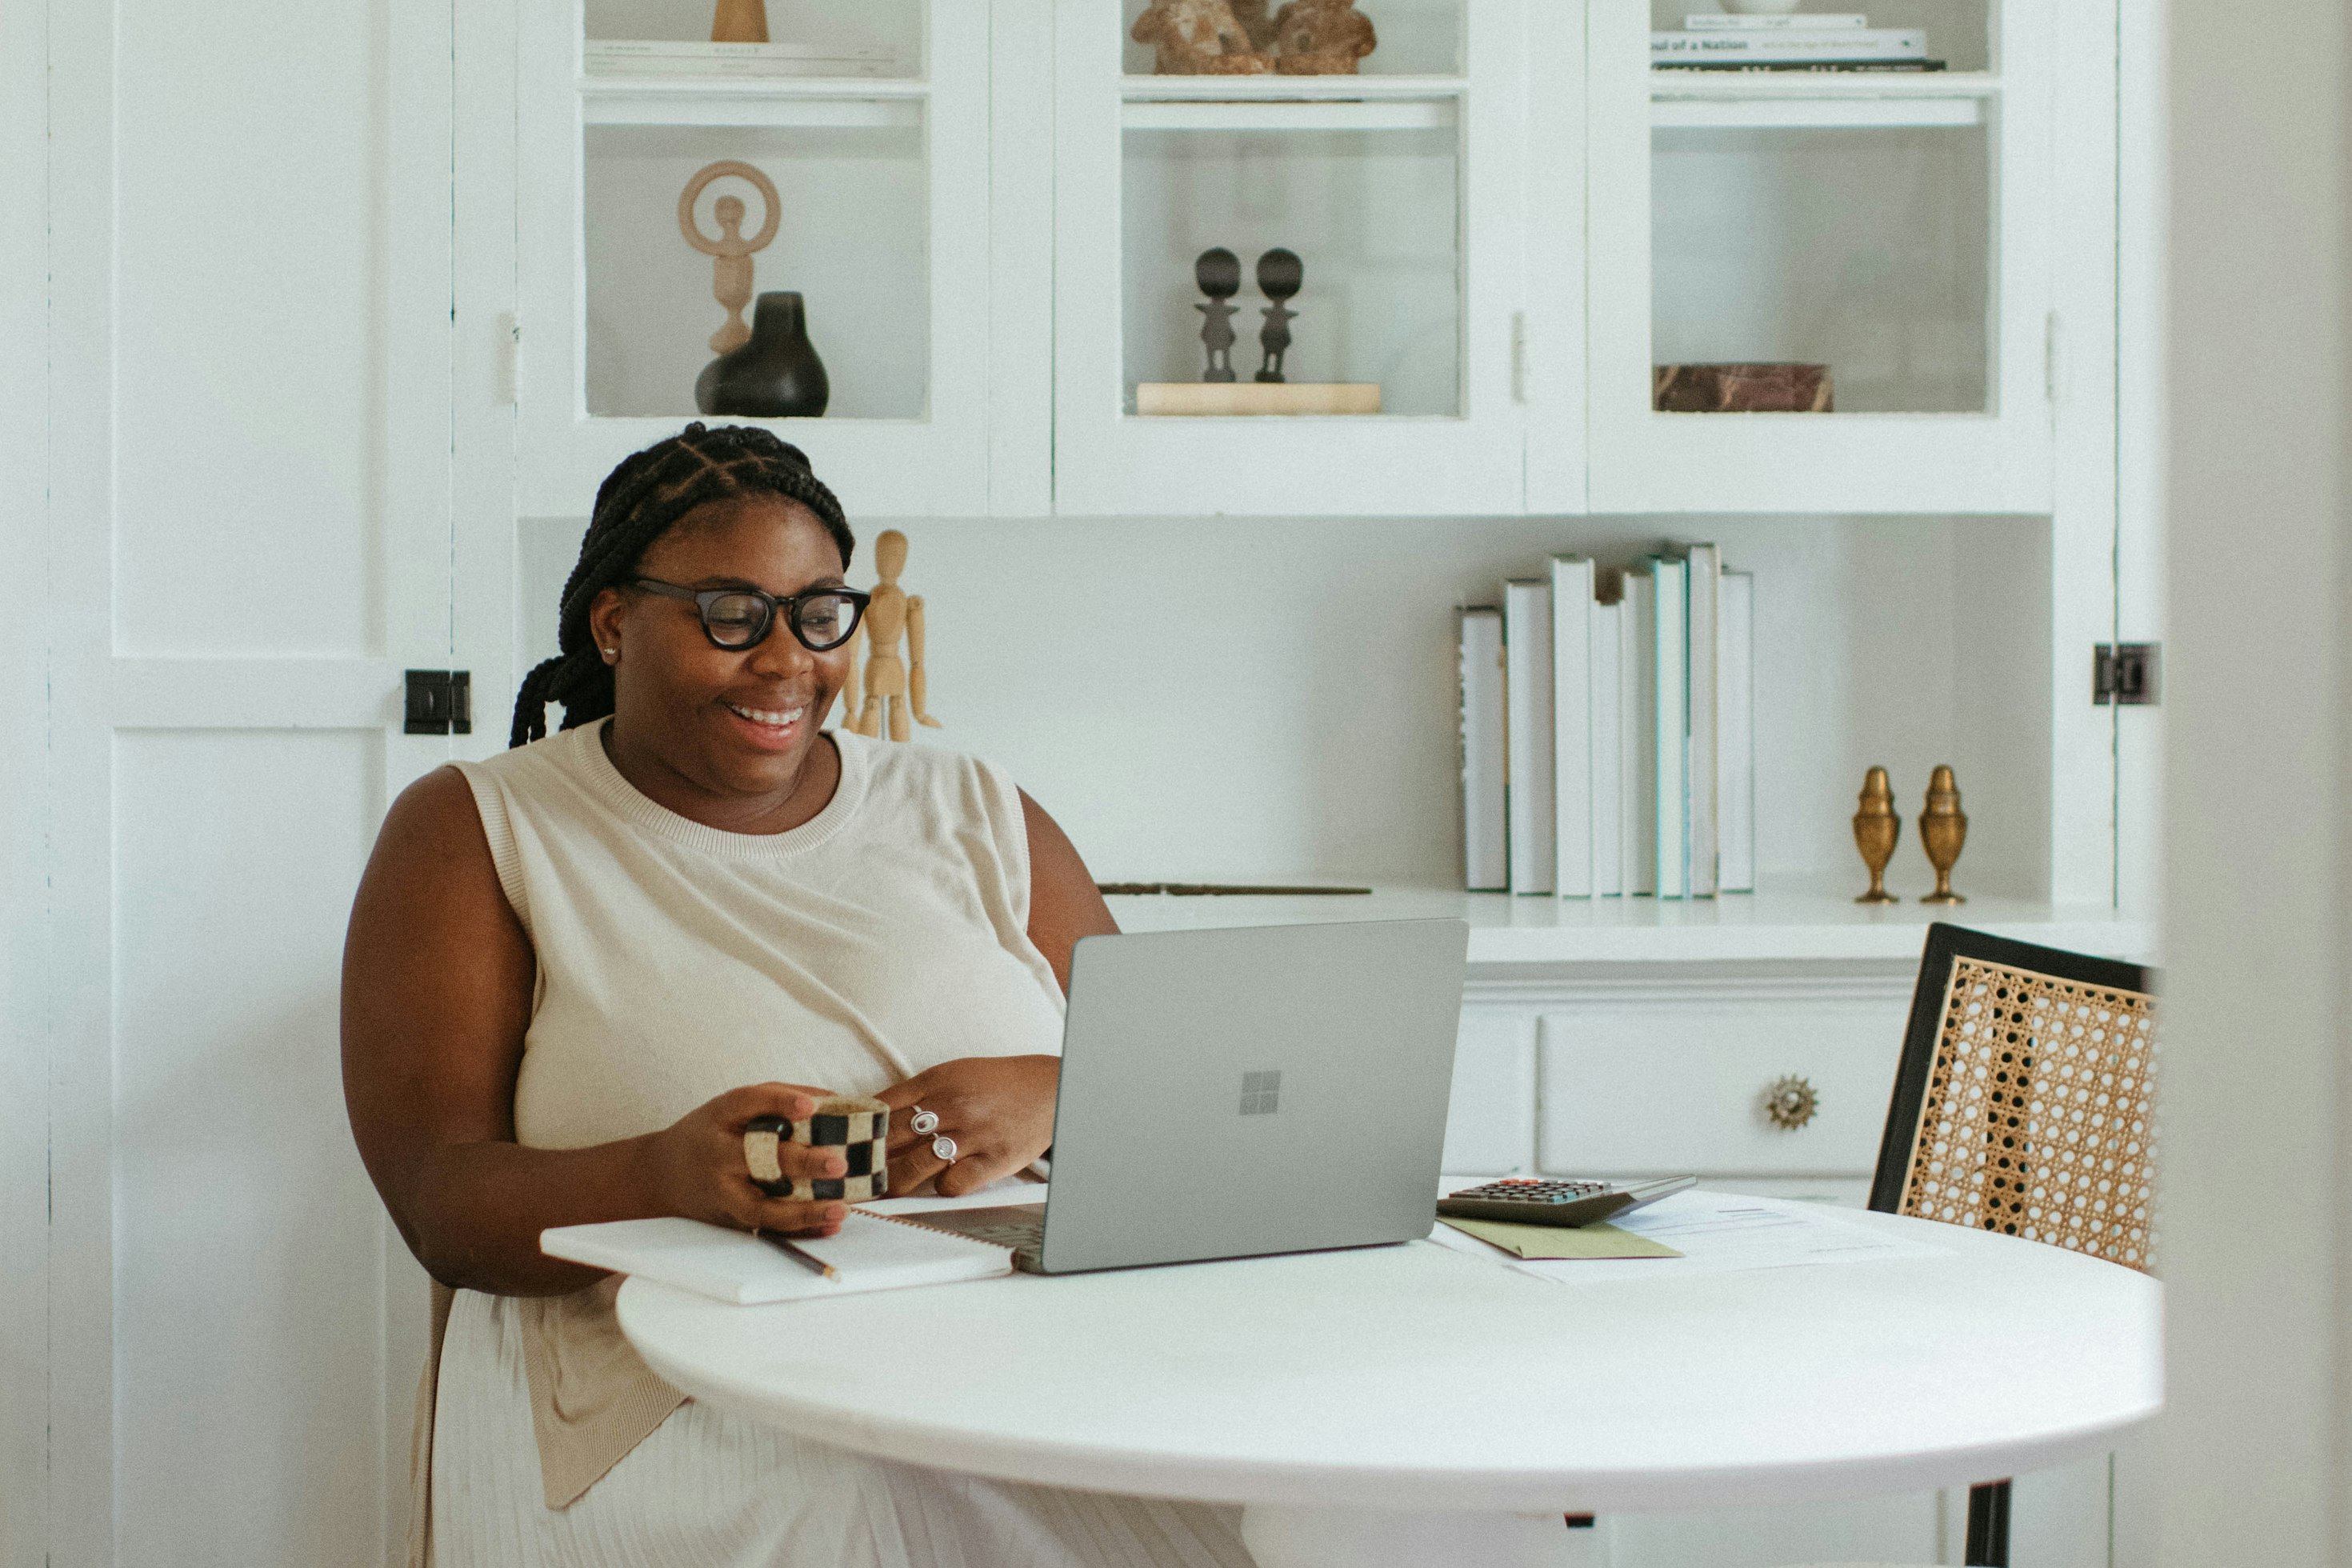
pixel 635 505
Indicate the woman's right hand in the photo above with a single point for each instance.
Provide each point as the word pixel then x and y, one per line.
pixel 696 1167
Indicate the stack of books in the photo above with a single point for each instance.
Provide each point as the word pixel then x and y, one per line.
pixel 1800 40
pixel 1609 730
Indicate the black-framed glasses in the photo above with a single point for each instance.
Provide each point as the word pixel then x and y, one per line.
pixel 738 618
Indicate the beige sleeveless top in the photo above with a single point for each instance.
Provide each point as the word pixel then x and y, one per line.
pixel 887 934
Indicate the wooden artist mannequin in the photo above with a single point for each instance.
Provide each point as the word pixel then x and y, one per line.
pixel 887 679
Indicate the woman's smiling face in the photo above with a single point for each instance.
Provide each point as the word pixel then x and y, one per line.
pixel 737 725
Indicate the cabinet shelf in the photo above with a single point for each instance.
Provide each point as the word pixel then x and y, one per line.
pixel 1779 925
pixel 1290 114
pixel 1289 103
pixel 1284 88
pixel 845 102
pixel 1818 100
pixel 1813 113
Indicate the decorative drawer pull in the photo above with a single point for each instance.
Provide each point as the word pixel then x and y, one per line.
pixel 1791 1102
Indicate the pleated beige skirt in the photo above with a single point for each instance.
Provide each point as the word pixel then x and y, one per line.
pixel 709 1490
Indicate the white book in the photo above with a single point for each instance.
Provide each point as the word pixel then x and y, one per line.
pixel 1637 729
pixel 1485 866
pixel 1699 672
pixel 1607 751
pixel 1528 795
pixel 1734 731
pixel 1799 21
pixel 1571 726
pixel 868 1253
pixel 1671 733
pixel 1781 48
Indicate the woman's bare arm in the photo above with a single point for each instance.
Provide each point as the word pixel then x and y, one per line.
pixel 437 979
pixel 1064 903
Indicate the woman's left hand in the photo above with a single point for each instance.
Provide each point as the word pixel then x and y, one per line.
pixel 999 1111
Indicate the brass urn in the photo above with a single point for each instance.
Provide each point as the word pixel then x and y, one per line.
pixel 1875 829
pixel 1943 828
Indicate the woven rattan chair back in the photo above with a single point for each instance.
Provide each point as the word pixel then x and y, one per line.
pixel 2025 1103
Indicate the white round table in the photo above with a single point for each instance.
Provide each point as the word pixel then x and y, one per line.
pixel 1415 1404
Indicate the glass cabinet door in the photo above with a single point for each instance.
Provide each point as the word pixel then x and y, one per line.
pixel 1282 287
pixel 789 232
pixel 1823 288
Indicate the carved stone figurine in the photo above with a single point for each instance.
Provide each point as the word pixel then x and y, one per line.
pixel 1218 271
pixel 1322 37
pixel 1943 828
pixel 1279 275
pixel 1875 829
pixel 1201 38
pixel 888 682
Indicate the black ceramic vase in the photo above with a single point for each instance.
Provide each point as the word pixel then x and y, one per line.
pixel 776 375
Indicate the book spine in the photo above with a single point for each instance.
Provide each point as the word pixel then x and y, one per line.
pixel 1706 569
pixel 1800 22
pixel 1869 44
pixel 1606 823
pixel 1486 867
pixel 1571 716
pixel 1527 796
pixel 1638 721
pixel 1736 730
pixel 1672 729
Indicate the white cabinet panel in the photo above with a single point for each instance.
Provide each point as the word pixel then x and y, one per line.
pixel 1675 1081
pixel 1490 1126
pixel 1896 228
pixel 886 184
pixel 248 335
pixel 1397 190
pixel 248 1322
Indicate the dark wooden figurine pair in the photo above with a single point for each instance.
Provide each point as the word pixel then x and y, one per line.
pixel 1219 274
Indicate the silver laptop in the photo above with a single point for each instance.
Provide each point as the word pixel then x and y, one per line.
pixel 1230 1093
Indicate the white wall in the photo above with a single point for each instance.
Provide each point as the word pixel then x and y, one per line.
pixel 2254 1163
pixel 1229 699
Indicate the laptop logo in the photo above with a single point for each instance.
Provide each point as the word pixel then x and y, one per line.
pixel 1261 1093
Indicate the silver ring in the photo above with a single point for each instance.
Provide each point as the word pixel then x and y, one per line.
pixel 924 1122
pixel 945 1148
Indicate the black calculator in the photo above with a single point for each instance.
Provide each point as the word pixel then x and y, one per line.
pixel 1533 1200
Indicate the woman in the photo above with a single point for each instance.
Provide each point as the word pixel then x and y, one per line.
pixel 576 971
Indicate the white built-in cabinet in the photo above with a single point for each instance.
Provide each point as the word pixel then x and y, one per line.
pixel 1505 221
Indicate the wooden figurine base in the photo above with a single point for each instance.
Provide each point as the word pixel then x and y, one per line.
pixel 1247 397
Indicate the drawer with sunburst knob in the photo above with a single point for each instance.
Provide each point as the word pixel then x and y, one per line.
pixel 1732 1077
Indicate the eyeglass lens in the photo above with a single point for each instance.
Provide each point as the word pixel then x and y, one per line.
pixel 820 621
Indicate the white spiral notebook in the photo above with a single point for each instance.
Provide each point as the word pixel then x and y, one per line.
pixel 871 1252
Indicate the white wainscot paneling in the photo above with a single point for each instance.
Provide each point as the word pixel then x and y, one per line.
pixel 1651 1078
pixel 248 1269
pixel 1490 1123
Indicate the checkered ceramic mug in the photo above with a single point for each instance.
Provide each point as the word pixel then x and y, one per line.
pixel 857 1125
